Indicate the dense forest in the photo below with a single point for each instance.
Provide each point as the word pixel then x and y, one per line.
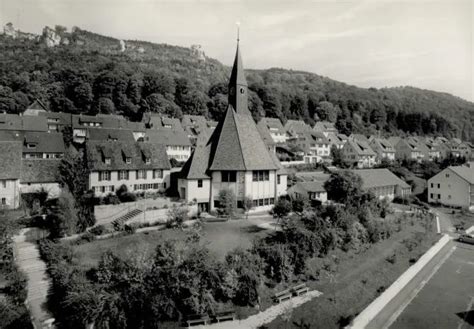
pixel 91 73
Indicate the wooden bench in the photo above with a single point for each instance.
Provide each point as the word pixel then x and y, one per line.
pixel 282 296
pixel 225 316
pixel 192 320
pixel 300 289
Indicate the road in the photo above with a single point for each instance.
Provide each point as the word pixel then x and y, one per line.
pixel 440 296
pixel 447 299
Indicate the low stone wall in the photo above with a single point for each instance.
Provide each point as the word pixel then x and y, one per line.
pixel 374 308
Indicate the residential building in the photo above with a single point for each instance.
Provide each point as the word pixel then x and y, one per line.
pixel 276 129
pixel 43 145
pixel 325 127
pixel 359 153
pixel 109 134
pixel 337 140
pixel 383 149
pixel 10 164
pixel 40 174
pixel 454 187
pixel 313 191
pixel 266 136
pixel 197 126
pixel 459 148
pixel 359 138
pixel 35 108
pixel 234 158
pixel 177 143
pixel 158 121
pixel 57 121
pixel 141 166
pixel 408 149
pixel 319 145
pixel 383 183
pixel 295 128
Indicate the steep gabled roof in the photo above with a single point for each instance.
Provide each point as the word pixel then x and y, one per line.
pixel 239 145
pixel 265 133
pixel 46 142
pixel 198 163
pixel 465 172
pixel 104 134
pixel 10 160
pixel 167 137
pixel 361 148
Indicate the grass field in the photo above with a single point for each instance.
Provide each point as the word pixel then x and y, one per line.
pixel 354 280
pixel 220 237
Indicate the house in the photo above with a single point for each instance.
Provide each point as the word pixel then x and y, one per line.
pixel 383 183
pixel 325 127
pixel 434 151
pixel 295 128
pixel 197 125
pixel 313 190
pixel 177 143
pixel 459 148
pixel 109 134
pixel 408 149
pixel 57 121
pixel 359 153
pixel 235 157
pixel 40 174
pixel 337 140
pixel 141 166
pixel 10 164
pixel 43 145
pixel 319 145
pixel 454 187
pixel 158 121
pixel 276 129
pixel 35 108
pixel 383 149
pixel 359 138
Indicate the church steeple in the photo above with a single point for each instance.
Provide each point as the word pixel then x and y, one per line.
pixel 238 85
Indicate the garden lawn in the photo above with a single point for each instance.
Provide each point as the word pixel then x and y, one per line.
pixel 219 237
pixel 352 281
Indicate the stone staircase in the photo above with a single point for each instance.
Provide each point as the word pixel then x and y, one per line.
pixel 29 261
pixel 126 217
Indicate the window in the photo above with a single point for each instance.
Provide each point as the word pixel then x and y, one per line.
pixel 4 183
pixel 439 185
pixel 199 183
pixel 123 175
pixel 431 185
pixel 128 160
pixel 157 173
pixel 141 174
pixel 104 175
pixel 229 176
pixel 439 196
pixel 278 180
pixel 261 175
pixel 147 160
pixel 447 175
pixel 4 201
pixel 107 161
pixel 260 202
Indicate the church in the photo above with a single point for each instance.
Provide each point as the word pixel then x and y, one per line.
pixel 234 157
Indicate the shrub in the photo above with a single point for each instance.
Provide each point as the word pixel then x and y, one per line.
pixel 392 259
pixel 87 237
pixel 98 230
pixel 130 228
pixel 111 199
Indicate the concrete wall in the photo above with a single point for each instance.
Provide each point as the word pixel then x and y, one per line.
pixel 452 190
pixel 10 193
pixel 282 187
pixel 192 191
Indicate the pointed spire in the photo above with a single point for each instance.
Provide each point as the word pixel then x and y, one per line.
pixel 237 77
pixel 238 84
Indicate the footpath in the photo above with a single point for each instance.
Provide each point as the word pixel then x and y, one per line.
pixel 38 285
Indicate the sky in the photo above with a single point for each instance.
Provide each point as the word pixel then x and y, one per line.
pixel 368 43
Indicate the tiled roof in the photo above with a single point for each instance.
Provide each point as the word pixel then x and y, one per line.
pixel 384 144
pixel 394 140
pixel 465 172
pixel 313 186
pixel 324 126
pixel 10 160
pixel 372 178
pixel 265 133
pixel 23 123
pixel 37 105
pixel 198 163
pixel 238 145
pixel 39 170
pixel 104 134
pixel 297 126
pixel 273 123
pixel 139 150
pixel 167 137
pixel 46 142
pixel 359 138
pixel 361 148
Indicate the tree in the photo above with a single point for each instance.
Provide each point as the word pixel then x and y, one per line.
pixel 62 216
pixel 177 215
pixel 343 186
pixel 281 209
pixel 247 204
pixel 227 202
pixel 338 157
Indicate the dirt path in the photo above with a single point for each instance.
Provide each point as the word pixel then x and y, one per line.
pixel 267 316
pixel 29 261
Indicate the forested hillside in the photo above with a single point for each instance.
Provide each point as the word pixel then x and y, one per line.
pixel 90 73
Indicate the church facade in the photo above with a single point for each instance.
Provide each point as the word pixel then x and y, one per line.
pixel 234 157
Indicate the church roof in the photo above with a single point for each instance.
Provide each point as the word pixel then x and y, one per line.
pixel 237 76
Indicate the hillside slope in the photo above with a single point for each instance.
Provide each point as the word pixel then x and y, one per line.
pixel 87 72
